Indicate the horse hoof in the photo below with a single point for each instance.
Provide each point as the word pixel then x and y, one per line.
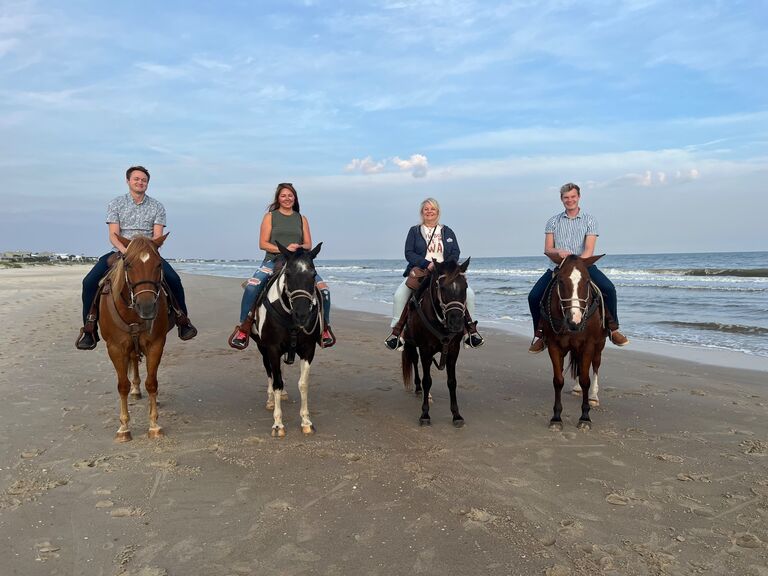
pixel 284 395
pixel 459 423
pixel 123 436
pixel 154 433
pixel 270 406
pixel 278 432
pixel 556 426
pixel 135 395
pixel 425 422
pixel 584 425
pixel 594 402
pixel 308 430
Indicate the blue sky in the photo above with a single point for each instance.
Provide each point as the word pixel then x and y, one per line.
pixel 657 109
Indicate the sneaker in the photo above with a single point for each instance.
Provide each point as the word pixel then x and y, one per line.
pixel 239 340
pixel 618 338
pixel 474 340
pixel 392 342
pixel 187 331
pixel 328 339
pixel 86 340
pixel 538 345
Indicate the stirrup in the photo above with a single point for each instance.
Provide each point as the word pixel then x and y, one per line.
pixel 330 341
pixel 238 344
pixel 473 340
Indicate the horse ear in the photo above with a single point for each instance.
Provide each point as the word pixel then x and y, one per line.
pixel 316 251
pixel 592 259
pixel 556 258
pixel 123 240
pixel 283 250
pixel 159 241
pixel 465 265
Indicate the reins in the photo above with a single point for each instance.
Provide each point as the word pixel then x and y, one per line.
pixel 587 306
pixel 441 331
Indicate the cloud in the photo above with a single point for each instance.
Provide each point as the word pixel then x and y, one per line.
pixel 649 179
pixel 417 165
pixel 365 166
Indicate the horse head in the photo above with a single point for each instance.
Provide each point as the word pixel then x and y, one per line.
pixel 573 288
pixel 141 270
pixel 450 293
pixel 299 273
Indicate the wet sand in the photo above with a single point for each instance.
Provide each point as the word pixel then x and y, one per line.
pixel 672 478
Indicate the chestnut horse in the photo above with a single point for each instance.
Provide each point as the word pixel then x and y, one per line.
pixel 288 323
pixel 573 315
pixel 134 320
pixel 436 326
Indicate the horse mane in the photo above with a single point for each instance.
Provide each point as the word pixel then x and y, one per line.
pixel 116 274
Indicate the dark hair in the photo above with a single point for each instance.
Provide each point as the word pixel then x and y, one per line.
pixel 133 169
pixel 565 188
pixel 276 202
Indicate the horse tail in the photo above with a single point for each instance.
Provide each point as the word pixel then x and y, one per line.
pixel 574 363
pixel 407 372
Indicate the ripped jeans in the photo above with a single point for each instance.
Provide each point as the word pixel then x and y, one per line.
pixel 260 278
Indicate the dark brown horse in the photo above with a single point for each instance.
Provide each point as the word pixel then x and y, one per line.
pixel 573 317
pixel 133 320
pixel 435 326
pixel 288 323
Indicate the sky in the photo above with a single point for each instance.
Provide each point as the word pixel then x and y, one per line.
pixel 657 109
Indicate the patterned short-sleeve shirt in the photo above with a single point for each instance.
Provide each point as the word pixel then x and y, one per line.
pixel 571 233
pixel 135 219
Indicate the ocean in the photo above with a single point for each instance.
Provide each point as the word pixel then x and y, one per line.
pixel 705 300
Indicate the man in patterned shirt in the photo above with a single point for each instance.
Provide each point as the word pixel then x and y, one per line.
pixel 572 232
pixel 129 215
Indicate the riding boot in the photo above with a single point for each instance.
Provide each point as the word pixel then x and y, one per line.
pixel 393 341
pixel 614 335
pixel 186 330
pixel 473 339
pixel 241 336
pixel 89 334
pixel 538 344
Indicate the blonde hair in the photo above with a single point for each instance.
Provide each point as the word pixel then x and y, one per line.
pixel 435 205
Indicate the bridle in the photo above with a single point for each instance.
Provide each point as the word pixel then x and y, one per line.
pixel 287 300
pixel 156 285
pixel 445 307
pixel 587 306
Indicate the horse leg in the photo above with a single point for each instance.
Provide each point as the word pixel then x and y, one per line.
pixel 270 405
pixel 557 357
pixel 120 360
pixel 426 384
pixel 135 392
pixel 595 387
pixel 154 354
pixel 458 421
pixel 278 429
pixel 306 424
pixel 584 422
pixel 416 377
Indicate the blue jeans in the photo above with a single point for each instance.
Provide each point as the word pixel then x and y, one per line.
pixel 259 279
pixel 602 281
pixel 91 284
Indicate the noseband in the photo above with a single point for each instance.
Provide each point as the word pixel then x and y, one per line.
pixel 587 306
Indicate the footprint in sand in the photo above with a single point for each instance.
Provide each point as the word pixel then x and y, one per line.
pixel 46 551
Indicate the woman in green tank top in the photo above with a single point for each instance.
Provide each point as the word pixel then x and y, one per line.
pixel 282 223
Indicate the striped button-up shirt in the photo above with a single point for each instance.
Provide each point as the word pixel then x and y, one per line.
pixel 571 233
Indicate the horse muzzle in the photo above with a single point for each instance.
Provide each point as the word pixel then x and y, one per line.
pixel 454 322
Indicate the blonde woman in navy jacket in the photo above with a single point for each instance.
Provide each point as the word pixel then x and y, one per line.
pixel 426 242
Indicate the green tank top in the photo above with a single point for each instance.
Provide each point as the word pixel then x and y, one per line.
pixel 286 230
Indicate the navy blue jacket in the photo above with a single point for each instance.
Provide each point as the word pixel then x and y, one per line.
pixel 416 248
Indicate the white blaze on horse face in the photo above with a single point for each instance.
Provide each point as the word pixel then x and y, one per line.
pixel 575 308
pixel 301 266
pixel 144 256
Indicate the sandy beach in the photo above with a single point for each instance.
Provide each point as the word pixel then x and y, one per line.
pixel 672 478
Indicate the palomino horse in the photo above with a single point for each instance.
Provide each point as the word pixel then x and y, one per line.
pixel 288 322
pixel 436 327
pixel 133 320
pixel 573 324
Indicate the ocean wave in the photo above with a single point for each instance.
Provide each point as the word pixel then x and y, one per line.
pixel 718 327
pixel 738 272
pixel 689 287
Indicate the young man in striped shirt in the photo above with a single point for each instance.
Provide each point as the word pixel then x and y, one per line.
pixel 573 232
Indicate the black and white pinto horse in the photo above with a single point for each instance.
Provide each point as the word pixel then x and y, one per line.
pixel 289 323
pixel 436 326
